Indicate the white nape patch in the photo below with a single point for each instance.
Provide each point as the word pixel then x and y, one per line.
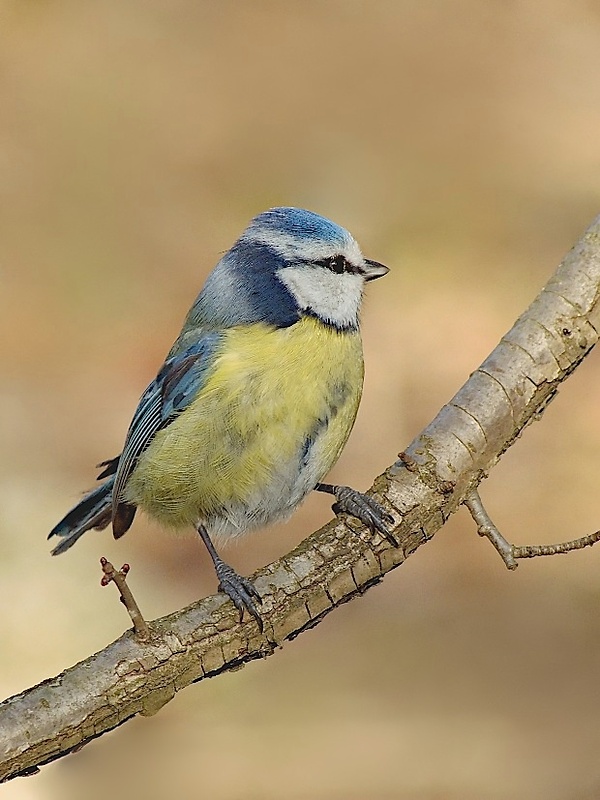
pixel 308 248
pixel 334 298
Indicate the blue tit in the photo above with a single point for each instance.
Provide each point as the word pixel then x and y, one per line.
pixel 255 400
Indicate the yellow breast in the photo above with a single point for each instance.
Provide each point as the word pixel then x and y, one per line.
pixel 269 422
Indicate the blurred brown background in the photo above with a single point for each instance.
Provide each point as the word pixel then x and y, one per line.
pixel 459 142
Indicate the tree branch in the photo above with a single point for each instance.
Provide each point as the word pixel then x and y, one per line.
pixel 430 480
pixel 510 553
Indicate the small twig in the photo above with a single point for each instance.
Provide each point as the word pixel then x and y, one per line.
pixel 485 527
pixel 119 577
pixel 511 552
pixel 532 550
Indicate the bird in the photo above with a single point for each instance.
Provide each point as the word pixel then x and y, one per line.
pixel 255 400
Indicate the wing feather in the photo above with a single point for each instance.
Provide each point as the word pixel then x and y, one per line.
pixel 144 426
pixel 170 393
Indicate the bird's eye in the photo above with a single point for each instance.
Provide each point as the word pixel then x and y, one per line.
pixel 337 264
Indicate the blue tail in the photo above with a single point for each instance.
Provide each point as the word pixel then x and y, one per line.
pixel 93 511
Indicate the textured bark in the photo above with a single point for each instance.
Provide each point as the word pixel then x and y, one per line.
pixel 432 478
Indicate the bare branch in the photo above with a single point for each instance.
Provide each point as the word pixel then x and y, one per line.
pixel 511 552
pixel 119 578
pixel 431 479
pixel 533 550
pixel 485 527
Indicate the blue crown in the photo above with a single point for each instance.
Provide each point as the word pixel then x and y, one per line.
pixel 298 223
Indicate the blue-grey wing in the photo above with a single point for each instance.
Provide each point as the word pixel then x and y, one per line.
pixel 176 385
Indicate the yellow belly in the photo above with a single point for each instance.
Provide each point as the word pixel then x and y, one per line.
pixel 270 421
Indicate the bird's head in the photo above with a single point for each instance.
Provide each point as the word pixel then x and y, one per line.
pixel 287 263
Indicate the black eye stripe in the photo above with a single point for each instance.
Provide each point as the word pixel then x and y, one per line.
pixel 338 264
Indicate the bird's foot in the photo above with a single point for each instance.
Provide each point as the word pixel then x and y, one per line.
pixel 364 508
pixel 241 591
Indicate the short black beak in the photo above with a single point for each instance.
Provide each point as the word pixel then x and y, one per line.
pixel 373 269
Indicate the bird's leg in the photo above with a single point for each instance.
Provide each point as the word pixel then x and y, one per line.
pixel 239 589
pixel 361 506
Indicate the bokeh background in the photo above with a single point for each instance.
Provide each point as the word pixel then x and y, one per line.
pixel 459 142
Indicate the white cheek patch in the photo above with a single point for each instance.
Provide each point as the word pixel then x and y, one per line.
pixel 331 297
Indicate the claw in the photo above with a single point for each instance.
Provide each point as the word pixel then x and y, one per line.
pixel 240 591
pixel 364 508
